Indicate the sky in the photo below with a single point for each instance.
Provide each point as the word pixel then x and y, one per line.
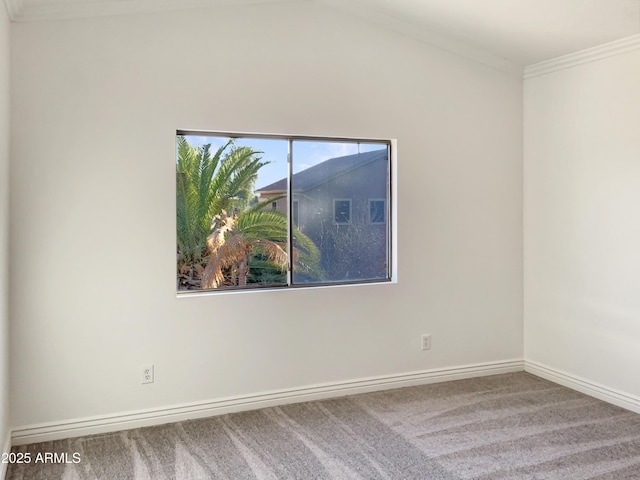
pixel 305 153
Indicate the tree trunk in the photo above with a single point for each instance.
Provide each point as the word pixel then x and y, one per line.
pixel 243 270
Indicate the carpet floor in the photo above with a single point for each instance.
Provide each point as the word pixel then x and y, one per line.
pixel 512 426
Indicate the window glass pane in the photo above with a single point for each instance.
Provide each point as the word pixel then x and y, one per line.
pixel 332 184
pixel 376 211
pixel 231 212
pixel 342 211
pixel 238 211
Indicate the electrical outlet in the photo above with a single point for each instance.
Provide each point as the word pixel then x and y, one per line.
pixel 426 341
pixel 147 373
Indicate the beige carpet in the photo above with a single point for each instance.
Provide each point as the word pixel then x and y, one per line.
pixel 513 426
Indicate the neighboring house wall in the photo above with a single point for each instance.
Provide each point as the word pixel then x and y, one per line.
pixel 316 204
pixel 581 222
pixel 4 231
pixel 351 246
pixel 96 104
pixel 280 203
pixel 357 249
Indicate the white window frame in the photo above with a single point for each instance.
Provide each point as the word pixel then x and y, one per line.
pixel 390 212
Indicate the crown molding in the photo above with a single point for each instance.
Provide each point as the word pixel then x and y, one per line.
pixel 21 12
pixel 442 42
pixel 617 47
pixel 14 9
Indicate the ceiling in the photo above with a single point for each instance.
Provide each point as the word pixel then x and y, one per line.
pixel 520 32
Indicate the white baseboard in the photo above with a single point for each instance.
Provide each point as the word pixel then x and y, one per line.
pixel 5 449
pixel 602 392
pixel 144 418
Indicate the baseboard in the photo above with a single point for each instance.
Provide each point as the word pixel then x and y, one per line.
pixel 144 418
pixel 5 449
pixel 602 392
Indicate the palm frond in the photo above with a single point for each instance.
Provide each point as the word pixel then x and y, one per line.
pixel 273 251
pixel 269 225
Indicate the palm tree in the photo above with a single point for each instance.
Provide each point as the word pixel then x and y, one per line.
pixel 235 239
pixel 236 242
pixel 213 245
pixel 206 184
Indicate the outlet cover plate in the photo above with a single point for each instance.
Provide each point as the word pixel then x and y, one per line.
pixel 147 373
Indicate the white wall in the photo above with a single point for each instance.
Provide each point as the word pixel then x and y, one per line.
pixel 582 226
pixel 96 106
pixel 4 228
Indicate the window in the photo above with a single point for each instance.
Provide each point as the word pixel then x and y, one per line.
pixel 376 210
pixel 342 210
pixel 256 211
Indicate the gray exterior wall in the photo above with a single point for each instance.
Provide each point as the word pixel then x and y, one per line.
pixel 355 250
